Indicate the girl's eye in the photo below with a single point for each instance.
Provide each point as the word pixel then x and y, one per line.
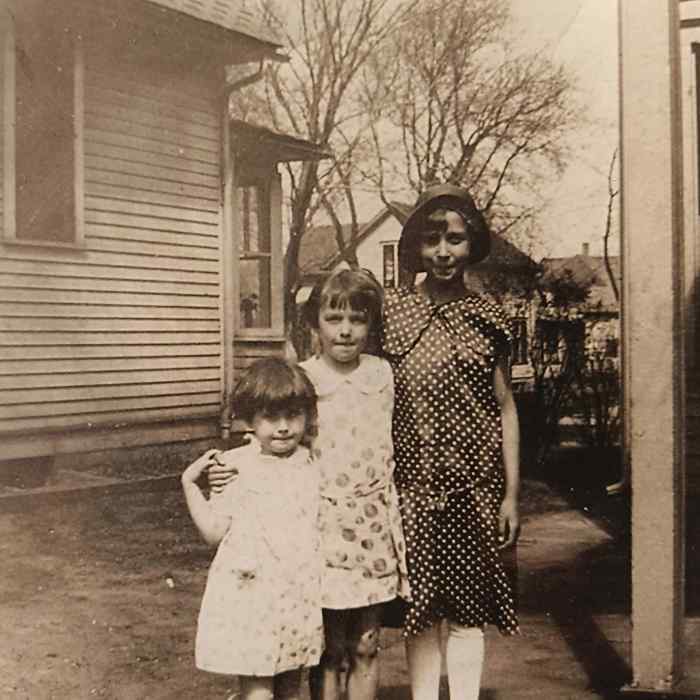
pixel 431 238
pixel 332 318
pixel 358 318
pixel 456 239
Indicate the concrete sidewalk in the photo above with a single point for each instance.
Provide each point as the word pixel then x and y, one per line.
pixel 575 630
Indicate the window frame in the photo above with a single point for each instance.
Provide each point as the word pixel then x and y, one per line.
pixel 269 184
pixel 9 176
pixel 395 261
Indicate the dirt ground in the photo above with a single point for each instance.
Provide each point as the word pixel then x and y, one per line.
pixel 99 596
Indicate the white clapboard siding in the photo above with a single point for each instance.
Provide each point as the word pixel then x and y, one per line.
pixel 126 328
pixel 246 352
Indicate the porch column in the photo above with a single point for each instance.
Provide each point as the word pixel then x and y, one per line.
pixel 654 365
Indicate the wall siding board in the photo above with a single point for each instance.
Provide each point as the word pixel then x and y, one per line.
pixel 151 192
pixel 152 354
pixel 197 293
pixel 89 411
pixel 132 185
pixel 181 157
pixel 92 254
pixel 122 205
pixel 146 378
pixel 23 368
pixel 120 162
pixel 90 300
pixel 127 124
pixel 32 310
pixel 125 328
pixel 130 150
pixel 35 397
pixel 106 419
pixel 80 270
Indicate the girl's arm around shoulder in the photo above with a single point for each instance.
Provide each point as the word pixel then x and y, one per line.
pixel 211 524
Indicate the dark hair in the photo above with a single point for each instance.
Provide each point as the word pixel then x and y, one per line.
pixel 357 289
pixel 273 385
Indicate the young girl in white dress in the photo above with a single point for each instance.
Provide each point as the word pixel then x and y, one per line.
pixel 361 536
pixel 260 617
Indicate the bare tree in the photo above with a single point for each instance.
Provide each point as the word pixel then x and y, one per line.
pixel 460 106
pixel 316 95
pixel 612 193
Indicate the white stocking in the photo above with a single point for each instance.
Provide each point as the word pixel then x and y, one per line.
pixel 424 663
pixel 465 661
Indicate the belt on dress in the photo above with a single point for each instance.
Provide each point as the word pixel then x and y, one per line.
pixel 335 498
pixel 434 500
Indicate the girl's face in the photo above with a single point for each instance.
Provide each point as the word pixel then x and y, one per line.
pixel 445 246
pixel 280 433
pixel 343 334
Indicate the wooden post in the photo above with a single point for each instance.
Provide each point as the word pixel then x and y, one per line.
pixel 228 271
pixel 653 348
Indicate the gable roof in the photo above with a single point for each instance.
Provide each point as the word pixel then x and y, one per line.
pixel 242 16
pixel 319 250
pixel 589 270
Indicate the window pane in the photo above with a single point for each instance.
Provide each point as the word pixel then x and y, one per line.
pixel 255 234
pixel 388 267
pixel 255 304
pixel 44 134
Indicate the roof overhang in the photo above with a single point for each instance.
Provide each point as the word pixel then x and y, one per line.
pixel 235 15
pixel 254 143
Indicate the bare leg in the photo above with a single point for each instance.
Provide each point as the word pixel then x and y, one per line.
pixel 256 687
pixel 465 660
pixel 325 679
pixel 425 663
pixel 287 685
pixel 363 676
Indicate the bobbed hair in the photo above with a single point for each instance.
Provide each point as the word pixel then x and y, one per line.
pixel 273 386
pixel 357 289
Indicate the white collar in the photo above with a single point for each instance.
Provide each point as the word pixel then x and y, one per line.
pixel 370 377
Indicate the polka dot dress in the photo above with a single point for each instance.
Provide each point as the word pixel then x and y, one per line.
pixel 447 443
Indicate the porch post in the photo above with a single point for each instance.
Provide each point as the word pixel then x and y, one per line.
pixel 652 255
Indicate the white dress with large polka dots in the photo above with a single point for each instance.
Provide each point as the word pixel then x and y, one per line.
pixel 261 612
pixel 448 449
pixel 361 535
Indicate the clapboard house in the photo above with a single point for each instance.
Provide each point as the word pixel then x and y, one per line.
pixel 140 227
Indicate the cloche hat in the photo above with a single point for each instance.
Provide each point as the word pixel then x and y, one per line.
pixel 449 197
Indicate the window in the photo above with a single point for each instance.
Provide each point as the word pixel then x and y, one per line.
pixel 389 266
pixel 43 82
pixel 518 327
pixel 259 258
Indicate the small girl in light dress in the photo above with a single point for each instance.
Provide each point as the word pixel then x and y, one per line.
pixel 260 617
pixel 361 536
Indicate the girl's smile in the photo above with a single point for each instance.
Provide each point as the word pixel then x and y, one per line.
pixel 445 248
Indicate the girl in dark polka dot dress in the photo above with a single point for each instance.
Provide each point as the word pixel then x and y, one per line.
pixel 456 435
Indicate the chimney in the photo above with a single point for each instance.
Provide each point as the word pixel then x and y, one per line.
pixel 585 248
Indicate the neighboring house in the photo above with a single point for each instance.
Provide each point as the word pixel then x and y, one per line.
pixel 501 275
pixel 140 229
pixel 600 312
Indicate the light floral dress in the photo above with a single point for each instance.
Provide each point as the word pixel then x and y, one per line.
pixel 261 612
pixel 361 536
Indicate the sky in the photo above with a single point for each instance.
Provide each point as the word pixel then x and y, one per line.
pixel 581 34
